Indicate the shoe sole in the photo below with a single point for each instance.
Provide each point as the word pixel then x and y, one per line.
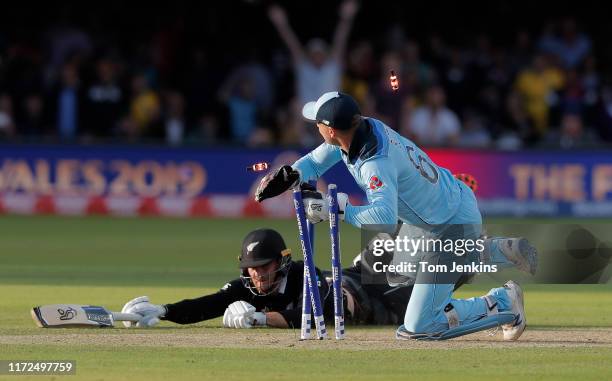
pixel 521 312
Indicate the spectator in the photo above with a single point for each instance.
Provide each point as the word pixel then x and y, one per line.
pixel 590 82
pixel 33 123
pixel 455 78
pixel 144 108
pixel 438 52
pixel 186 69
pixel 205 131
pixel 490 96
pixel 538 85
pixel 242 108
pixel 166 48
pixel 248 93
pixel 261 137
pixel 571 134
pixel 572 47
pixel 480 61
pixel 360 65
pixel 413 66
pixel 572 96
pixel 65 43
pixel 516 121
pixel 407 109
pixel 490 107
pixel 508 140
pixel 201 101
pixel 7 123
pixel 475 133
pixel 105 101
pixel 317 68
pixel 604 120
pixel 434 123
pixel 175 118
pixel 521 53
pixel 499 73
pixel 292 126
pixel 260 78
pixel 69 103
pixel 482 55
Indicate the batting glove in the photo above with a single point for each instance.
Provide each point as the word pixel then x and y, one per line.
pixel 316 205
pixel 241 314
pixel 141 306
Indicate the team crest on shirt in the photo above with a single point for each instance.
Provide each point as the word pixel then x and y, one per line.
pixel 375 183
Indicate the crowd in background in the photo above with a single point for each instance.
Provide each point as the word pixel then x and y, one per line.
pixel 541 89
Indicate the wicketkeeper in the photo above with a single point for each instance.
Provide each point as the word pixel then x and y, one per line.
pixel 402 182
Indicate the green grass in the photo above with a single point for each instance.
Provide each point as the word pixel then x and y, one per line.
pixel 107 363
pixel 116 251
pixel 548 306
pixel 108 261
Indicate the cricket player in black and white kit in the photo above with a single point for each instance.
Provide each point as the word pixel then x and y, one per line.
pixel 269 293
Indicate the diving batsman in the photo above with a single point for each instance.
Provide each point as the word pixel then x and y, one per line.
pixel 268 293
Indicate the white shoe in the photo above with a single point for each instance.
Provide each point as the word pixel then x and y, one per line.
pixel 514 330
pixel 520 252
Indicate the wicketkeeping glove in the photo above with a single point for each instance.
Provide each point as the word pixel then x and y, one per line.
pixel 277 182
pixel 316 204
pixel 241 314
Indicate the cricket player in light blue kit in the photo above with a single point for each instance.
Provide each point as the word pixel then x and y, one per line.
pixel 401 182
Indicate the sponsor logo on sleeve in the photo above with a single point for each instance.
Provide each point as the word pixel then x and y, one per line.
pixel 375 183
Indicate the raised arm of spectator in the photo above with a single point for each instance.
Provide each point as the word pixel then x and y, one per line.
pixel 278 16
pixel 229 84
pixel 348 9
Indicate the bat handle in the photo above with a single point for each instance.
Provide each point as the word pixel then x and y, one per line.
pixel 120 316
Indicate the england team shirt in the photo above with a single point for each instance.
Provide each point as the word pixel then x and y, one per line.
pixel 398 178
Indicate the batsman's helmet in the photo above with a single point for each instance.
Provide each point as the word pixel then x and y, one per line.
pixel 259 248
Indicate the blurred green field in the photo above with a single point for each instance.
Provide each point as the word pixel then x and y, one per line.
pixel 107 261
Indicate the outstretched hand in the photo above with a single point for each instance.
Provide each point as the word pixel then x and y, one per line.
pixel 150 313
pixel 277 15
pixel 348 9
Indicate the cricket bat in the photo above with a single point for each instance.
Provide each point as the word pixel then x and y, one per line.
pixel 74 315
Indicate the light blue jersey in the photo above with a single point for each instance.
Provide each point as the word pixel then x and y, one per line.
pixel 401 182
pixel 399 179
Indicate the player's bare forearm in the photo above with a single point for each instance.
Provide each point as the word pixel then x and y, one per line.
pixel 348 10
pixel 292 42
pixel 279 18
pixel 276 320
